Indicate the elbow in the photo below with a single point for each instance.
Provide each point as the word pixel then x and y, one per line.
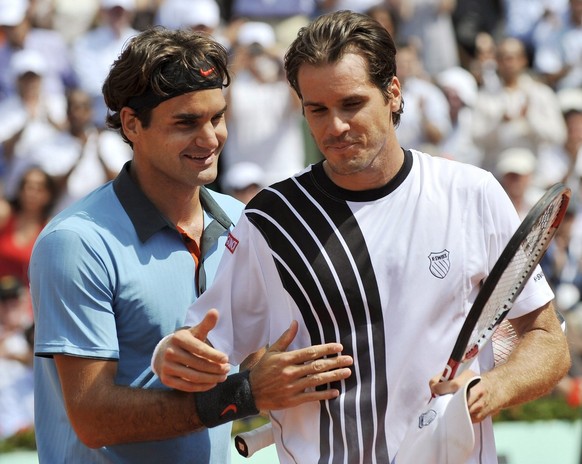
pixel 90 438
pixel 88 434
pixel 92 443
pixel 562 361
pixel 566 362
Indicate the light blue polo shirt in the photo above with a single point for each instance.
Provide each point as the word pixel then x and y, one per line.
pixel 110 276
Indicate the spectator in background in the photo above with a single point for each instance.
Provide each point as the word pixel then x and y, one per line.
pixel 16 344
pixel 522 113
pixel 22 219
pixel 563 163
pixel 69 18
pixel 562 265
pixel 427 122
pixel 28 118
pixel 243 181
pixel 359 6
pixel 558 54
pixel 286 17
pixel 81 157
pixel 384 15
pixel 483 66
pixel 522 18
pixel 515 170
pixel 428 24
pixel 460 89
pixel 264 116
pixel 20 34
pixel 200 15
pixel 472 19
pixel 270 11
pixel 15 317
pixel 95 51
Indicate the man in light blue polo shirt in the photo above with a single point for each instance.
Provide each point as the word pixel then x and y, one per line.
pixel 115 272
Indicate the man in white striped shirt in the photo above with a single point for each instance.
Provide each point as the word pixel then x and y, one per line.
pixel 378 247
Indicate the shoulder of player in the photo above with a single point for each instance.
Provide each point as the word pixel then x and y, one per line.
pixel 449 179
pixel 448 167
pixel 93 212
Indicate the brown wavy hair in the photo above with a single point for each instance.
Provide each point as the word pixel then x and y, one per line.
pixel 156 62
pixel 329 37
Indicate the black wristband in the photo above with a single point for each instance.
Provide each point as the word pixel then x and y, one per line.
pixel 228 401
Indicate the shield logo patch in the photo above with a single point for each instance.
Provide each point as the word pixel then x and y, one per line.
pixel 439 264
pixel 426 418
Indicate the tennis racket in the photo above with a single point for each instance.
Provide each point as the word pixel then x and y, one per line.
pixel 507 278
pixel 248 443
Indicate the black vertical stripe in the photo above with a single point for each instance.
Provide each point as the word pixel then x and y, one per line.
pixel 357 324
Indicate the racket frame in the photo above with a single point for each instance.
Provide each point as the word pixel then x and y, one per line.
pixel 460 354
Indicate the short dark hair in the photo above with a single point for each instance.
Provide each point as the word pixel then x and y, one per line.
pixel 50 184
pixel 329 37
pixel 158 64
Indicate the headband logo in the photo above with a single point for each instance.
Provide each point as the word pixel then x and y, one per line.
pixel 182 81
pixel 206 72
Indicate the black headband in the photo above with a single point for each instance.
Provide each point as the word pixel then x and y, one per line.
pixel 178 81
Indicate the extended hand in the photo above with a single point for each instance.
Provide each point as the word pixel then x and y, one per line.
pixel 283 379
pixel 185 361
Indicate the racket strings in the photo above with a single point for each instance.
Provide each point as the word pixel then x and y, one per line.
pixel 505 291
pixel 504 340
pixel 514 276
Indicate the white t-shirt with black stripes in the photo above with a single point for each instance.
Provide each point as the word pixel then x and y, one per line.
pixel 390 273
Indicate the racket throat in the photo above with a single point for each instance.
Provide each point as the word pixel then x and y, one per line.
pixel 450 370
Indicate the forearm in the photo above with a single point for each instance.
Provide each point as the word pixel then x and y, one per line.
pixel 103 413
pixel 125 415
pixel 538 363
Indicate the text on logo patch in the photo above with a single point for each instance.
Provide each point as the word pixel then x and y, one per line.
pixel 439 263
pixel 231 243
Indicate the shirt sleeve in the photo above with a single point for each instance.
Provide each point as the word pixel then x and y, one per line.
pixel 72 298
pixel 239 292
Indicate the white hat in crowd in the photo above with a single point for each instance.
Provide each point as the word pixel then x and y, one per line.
pixel 442 433
pixel 461 81
pixel 517 161
pixel 12 12
pixel 28 61
pixel 176 14
pixel 256 32
pixel 242 175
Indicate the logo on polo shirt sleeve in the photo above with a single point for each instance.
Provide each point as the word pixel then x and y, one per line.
pixel 231 242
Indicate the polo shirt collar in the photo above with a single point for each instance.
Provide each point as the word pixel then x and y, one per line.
pixel 144 215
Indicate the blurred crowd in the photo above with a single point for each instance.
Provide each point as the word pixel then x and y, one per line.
pixel 494 83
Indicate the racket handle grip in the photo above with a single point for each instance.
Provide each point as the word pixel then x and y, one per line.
pixel 248 443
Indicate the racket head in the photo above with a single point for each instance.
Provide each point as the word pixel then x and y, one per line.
pixel 509 275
